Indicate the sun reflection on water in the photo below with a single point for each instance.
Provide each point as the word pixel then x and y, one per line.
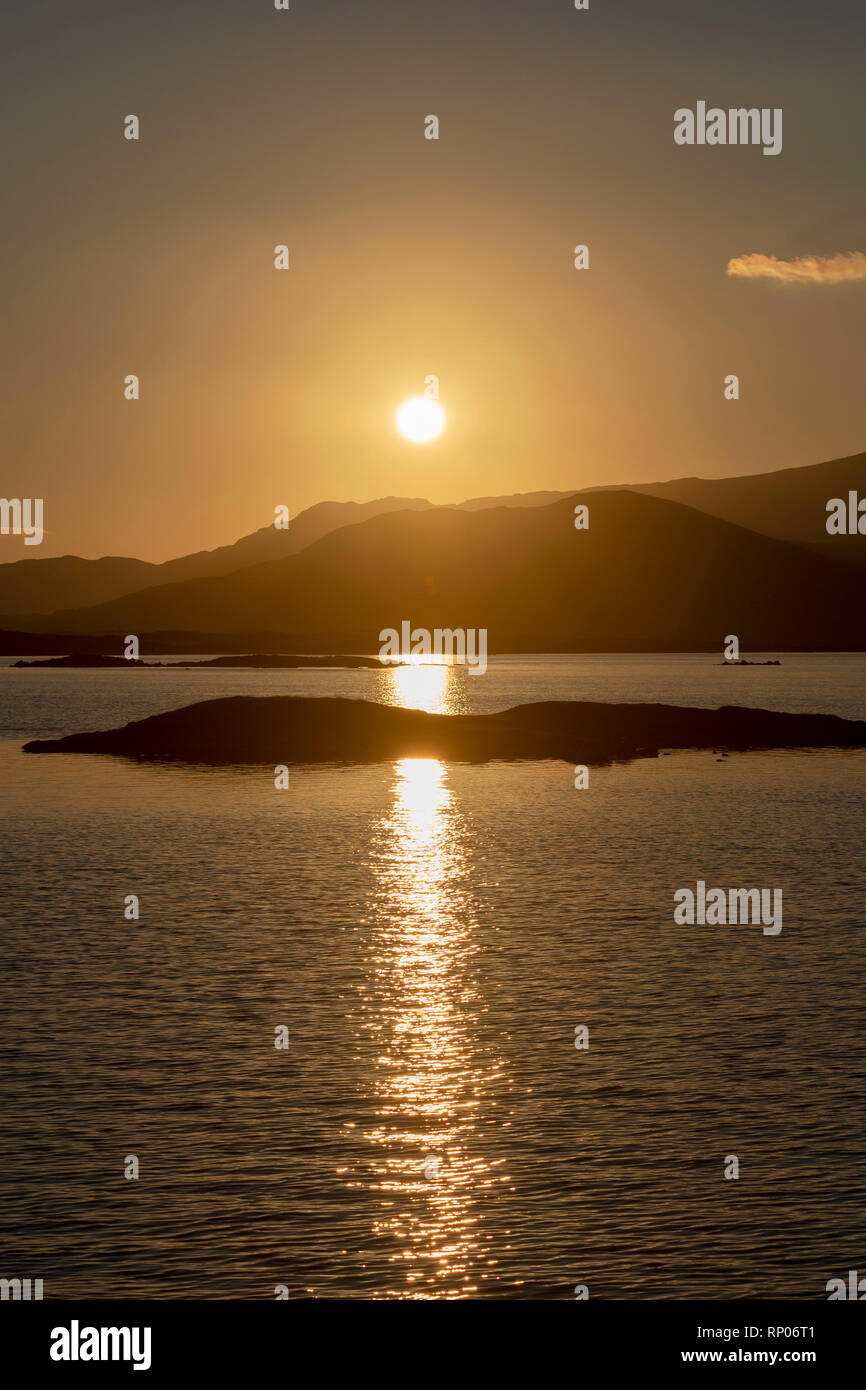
pixel 431 1077
pixel 431 686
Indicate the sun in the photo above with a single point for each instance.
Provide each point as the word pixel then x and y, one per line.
pixel 420 419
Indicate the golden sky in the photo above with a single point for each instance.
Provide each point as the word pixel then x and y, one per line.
pixel 411 256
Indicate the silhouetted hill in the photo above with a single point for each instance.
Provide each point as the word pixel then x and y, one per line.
pixel 33 585
pixel 649 574
pixel 39 586
pixel 790 504
pixel 516 499
pixel 270 544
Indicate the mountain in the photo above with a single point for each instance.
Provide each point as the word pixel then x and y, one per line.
pixel 790 504
pixel 33 585
pixel 516 499
pixel 270 544
pixel 649 574
pixel 39 586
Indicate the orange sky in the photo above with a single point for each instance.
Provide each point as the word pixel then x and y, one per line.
pixel 412 256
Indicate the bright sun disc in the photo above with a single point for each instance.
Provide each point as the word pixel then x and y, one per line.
pixel 420 419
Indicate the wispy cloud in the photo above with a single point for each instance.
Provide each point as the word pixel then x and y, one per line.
pixel 811 270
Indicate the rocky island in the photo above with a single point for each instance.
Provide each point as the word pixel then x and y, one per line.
pixel 280 729
pixel 254 661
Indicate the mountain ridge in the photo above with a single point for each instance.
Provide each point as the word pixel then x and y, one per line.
pixel 788 504
pixel 648 574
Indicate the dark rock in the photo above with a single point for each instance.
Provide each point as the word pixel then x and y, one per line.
pixel 284 729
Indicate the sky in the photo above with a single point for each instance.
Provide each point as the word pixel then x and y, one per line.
pixel 411 257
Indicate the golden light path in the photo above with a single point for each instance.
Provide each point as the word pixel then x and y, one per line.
pixel 421 687
pixel 432 1077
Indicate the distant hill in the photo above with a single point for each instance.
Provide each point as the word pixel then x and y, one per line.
pixel 33 586
pixel 649 574
pixel 270 544
pixel 790 504
pixel 517 499
pixel 39 586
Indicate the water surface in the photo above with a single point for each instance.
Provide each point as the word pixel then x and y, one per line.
pixel 431 934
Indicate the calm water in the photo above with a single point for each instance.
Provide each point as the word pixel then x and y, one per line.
pixel 431 934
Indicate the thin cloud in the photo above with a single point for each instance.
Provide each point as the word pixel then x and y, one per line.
pixel 805 270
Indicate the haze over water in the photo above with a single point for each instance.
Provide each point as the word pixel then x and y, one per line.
pixel 431 934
